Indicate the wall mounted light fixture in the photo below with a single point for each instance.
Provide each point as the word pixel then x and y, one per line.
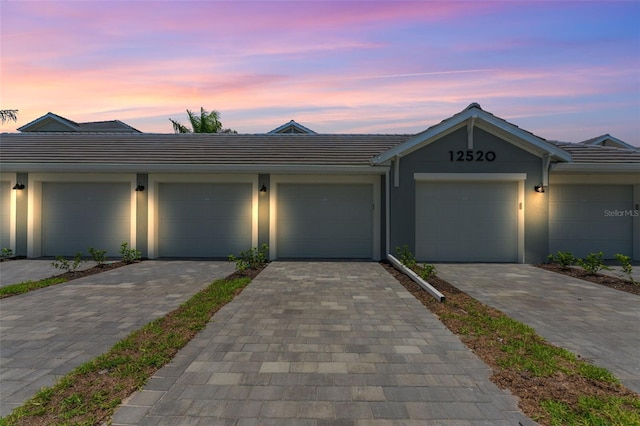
pixel 539 188
pixel 140 188
pixel 19 185
pixel 263 188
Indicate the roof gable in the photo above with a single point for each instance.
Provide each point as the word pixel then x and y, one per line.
pixel 607 140
pixel 51 122
pixel 292 127
pixel 475 116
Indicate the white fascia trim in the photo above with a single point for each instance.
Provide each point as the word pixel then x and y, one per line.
pixel 475 177
pixel 191 168
pixel 480 119
pixel 595 167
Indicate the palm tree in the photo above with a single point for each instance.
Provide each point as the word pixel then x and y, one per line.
pixel 8 114
pixel 206 122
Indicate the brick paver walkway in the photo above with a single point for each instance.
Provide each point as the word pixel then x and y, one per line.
pixel 46 333
pixel 598 323
pixel 315 343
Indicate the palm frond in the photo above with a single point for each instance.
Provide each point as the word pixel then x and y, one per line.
pixel 179 127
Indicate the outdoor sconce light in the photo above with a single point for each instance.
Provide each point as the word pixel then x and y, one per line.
pixel 139 188
pixel 19 185
pixel 263 188
pixel 539 188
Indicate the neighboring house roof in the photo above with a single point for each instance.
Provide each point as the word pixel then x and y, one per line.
pixel 183 152
pixel 472 116
pixel 598 158
pixel 51 122
pixel 608 140
pixel 292 127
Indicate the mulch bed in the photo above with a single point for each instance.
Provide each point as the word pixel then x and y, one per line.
pixel 605 280
pixel 72 275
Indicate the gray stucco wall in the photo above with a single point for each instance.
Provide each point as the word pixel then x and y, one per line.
pixel 436 158
pixel 142 215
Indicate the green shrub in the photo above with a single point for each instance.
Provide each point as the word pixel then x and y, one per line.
pixel 67 265
pixel 593 263
pixel 6 253
pixel 562 258
pixel 129 255
pixel 427 271
pixel 98 256
pixel 625 261
pixel 252 258
pixel 405 256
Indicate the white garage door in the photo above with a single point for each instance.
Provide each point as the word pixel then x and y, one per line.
pixel 325 221
pixel 591 218
pixel 76 216
pixel 204 219
pixel 5 214
pixel 467 221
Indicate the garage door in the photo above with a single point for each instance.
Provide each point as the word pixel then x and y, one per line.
pixel 5 214
pixel 591 218
pixel 204 219
pixel 76 216
pixel 467 221
pixel 325 221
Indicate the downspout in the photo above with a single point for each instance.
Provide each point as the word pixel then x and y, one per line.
pixel 387 211
pixel 546 162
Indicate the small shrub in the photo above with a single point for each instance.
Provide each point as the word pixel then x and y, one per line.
pixel 405 256
pixel 129 255
pixel 67 265
pixel 98 256
pixel 625 261
pixel 563 258
pixel 593 263
pixel 6 253
pixel 427 271
pixel 252 258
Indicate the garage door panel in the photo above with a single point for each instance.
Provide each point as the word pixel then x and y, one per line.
pixel 466 221
pixel 76 216
pixel 325 220
pixel 578 223
pixel 204 219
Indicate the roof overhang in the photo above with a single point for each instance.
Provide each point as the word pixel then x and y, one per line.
pixel 191 168
pixel 474 116
pixel 596 167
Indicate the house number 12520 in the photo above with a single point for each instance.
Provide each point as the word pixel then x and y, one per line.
pixel 471 155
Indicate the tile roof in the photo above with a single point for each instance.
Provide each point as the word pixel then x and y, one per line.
pixel 196 149
pixel 591 154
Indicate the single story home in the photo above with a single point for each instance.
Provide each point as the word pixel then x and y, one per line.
pixel 472 188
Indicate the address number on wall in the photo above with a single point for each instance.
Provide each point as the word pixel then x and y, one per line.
pixel 471 155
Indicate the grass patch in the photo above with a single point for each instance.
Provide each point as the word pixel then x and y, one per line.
pixel 90 393
pixel 554 386
pixel 27 286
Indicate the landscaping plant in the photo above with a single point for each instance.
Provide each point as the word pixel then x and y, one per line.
pixel 6 253
pixel 252 258
pixel 99 256
pixel 67 265
pixel 405 256
pixel 129 255
pixel 563 258
pixel 625 261
pixel 593 263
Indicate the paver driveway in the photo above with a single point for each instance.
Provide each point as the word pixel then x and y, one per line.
pixel 593 321
pixel 48 332
pixel 323 343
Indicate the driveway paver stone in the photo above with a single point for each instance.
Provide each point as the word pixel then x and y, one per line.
pixel 596 322
pixel 316 343
pixel 46 333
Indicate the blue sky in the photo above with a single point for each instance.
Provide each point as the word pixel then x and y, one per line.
pixel 562 70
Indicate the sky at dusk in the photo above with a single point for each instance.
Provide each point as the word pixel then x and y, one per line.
pixel 562 70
